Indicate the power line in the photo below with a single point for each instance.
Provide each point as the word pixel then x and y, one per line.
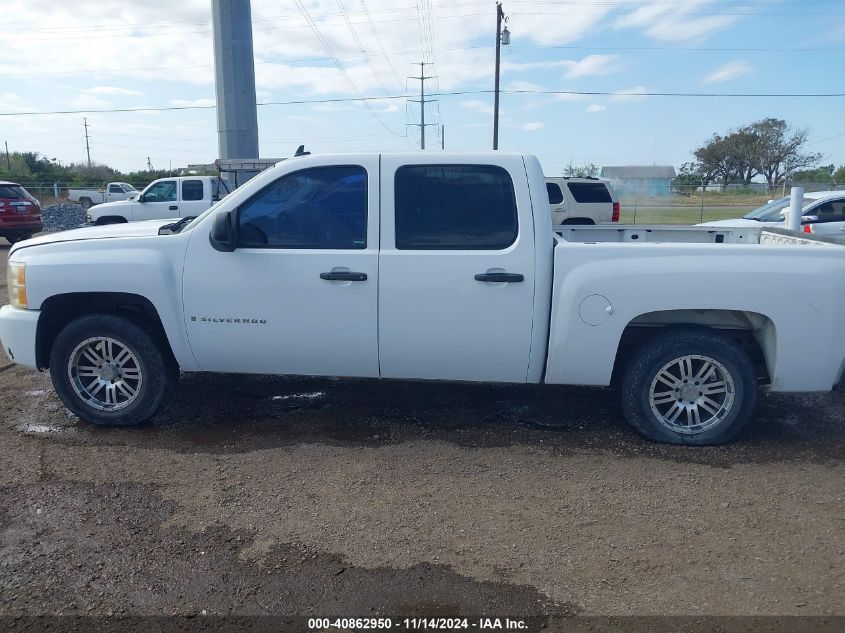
pixel 388 54
pixel 596 93
pixel 621 4
pixel 340 67
pixel 361 47
pixel 380 43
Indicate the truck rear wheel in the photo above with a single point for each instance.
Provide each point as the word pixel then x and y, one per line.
pixel 86 203
pixel 693 387
pixel 110 371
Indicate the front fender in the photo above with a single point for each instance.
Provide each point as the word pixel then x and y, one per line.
pixel 149 267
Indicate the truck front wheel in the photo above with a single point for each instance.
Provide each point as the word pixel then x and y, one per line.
pixel 693 387
pixel 110 371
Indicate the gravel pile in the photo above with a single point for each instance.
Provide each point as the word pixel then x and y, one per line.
pixel 61 217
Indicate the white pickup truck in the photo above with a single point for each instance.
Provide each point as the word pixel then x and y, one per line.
pixel 162 199
pixel 432 266
pixel 112 192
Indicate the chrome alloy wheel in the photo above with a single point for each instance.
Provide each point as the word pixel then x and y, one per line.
pixel 691 394
pixel 105 373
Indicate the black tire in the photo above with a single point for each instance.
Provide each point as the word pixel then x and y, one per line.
pixel 86 203
pixel 578 221
pixel 642 411
pixel 14 239
pixel 155 364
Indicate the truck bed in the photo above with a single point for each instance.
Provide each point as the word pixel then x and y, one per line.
pixel 657 233
pixel 674 234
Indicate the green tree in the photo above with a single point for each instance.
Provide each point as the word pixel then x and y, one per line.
pixel 588 170
pixel 820 174
pixel 839 176
pixel 778 150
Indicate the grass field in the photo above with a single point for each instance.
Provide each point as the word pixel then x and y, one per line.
pixel 681 214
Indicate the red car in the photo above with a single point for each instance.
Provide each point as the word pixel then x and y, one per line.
pixel 20 213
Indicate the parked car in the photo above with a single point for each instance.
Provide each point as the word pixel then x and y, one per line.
pixel 431 266
pixel 177 197
pixel 112 192
pixel 20 213
pixel 822 212
pixel 582 201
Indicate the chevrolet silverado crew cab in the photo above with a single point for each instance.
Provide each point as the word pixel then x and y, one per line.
pixel 430 267
pixel 177 197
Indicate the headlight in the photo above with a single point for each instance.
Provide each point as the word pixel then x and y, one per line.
pixel 16 280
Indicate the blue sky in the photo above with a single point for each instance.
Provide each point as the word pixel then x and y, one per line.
pixel 106 54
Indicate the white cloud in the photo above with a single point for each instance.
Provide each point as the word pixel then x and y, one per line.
pixel 630 95
pixel 532 126
pixel 594 65
pixel 726 72
pixel 87 101
pixel 523 85
pixel 548 27
pixel 570 96
pixel 477 105
pixel 114 90
pixel 187 103
pixel 595 107
pixel 677 22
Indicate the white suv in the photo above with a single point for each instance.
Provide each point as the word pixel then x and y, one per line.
pixel 582 201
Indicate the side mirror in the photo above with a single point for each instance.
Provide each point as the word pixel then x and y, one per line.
pixel 224 234
pixel 140 197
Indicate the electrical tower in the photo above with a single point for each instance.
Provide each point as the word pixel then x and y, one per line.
pixel 87 146
pixel 422 101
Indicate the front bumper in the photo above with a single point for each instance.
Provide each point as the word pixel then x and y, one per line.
pixel 18 330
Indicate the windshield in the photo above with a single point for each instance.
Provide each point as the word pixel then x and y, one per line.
pixel 775 210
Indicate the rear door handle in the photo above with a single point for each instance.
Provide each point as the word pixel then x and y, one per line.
pixel 173 207
pixel 500 277
pixel 344 276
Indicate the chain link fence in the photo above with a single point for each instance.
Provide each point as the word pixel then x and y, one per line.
pixel 656 203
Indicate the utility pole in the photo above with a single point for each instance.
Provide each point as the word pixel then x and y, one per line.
pixel 234 78
pixel 8 160
pixel 443 136
pixel 501 38
pixel 422 101
pixel 87 146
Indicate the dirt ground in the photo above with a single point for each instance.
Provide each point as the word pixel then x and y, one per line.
pixel 261 495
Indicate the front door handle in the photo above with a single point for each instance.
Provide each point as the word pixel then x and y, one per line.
pixel 344 275
pixel 173 207
pixel 511 278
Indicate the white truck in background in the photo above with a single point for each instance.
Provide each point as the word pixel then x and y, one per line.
pixel 112 192
pixel 431 266
pixel 162 199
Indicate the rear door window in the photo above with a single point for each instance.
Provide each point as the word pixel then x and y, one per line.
pixel 191 190
pixel 555 194
pixel 454 207
pixel 589 192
